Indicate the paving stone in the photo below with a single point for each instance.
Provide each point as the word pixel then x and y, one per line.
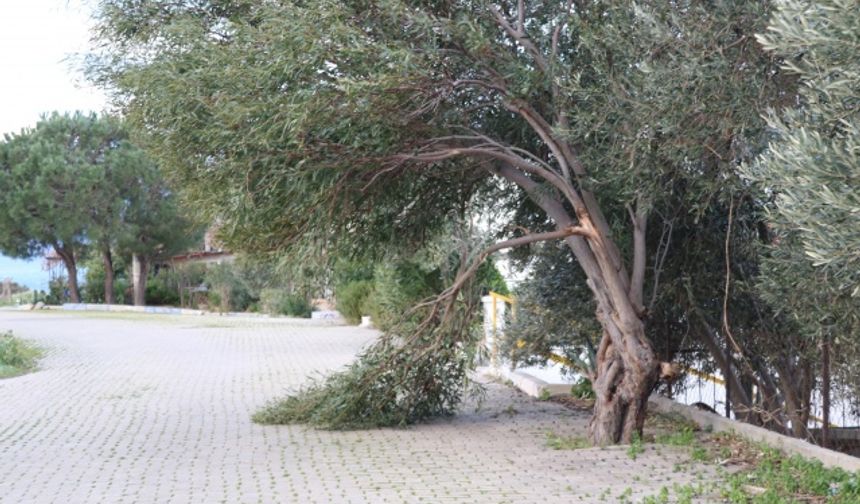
pixel 156 409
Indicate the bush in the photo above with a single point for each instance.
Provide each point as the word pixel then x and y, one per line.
pixel 396 289
pixel 57 291
pixel 162 289
pixel 93 290
pixel 281 302
pixel 227 288
pixel 582 389
pixel 296 305
pixel 16 355
pixel 352 299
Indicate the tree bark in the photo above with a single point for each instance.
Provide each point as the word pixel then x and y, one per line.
pixel 622 386
pixel 796 384
pixel 67 254
pixel 107 259
pixel 627 368
pixel 825 392
pixel 139 271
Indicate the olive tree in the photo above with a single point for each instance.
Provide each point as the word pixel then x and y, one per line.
pixel 371 123
pixel 811 172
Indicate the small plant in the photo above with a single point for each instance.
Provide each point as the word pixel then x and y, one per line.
pixel 699 454
pixel 351 299
pixel 545 394
pixel 582 389
pixel 684 437
pixel 557 442
pixel 16 355
pixel 635 448
pixel 792 479
pixel 660 498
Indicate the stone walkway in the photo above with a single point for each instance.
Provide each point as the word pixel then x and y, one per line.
pixel 156 409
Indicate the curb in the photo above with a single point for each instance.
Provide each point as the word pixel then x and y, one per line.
pixel 169 310
pixel 788 444
pixel 525 382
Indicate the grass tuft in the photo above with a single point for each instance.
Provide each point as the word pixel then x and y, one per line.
pixel 16 355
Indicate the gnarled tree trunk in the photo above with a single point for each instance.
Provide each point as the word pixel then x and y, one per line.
pixel 622 386
pixel 627 367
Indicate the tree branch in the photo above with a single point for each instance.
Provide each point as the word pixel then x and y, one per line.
pixel 521 37
pixel 495 150
pixel 639 219
pixel 465 275
pixel 660 258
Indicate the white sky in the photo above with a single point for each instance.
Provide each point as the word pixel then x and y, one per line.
pixel 38 42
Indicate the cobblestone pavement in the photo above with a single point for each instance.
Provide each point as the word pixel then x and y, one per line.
pixel 156 409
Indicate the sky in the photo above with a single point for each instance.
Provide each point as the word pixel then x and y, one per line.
pixel 39 40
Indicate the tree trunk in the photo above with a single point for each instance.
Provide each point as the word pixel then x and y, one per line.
pixel 622 387
pixel 107 259
pixel 627 368
pixel 139 268
pixel 796 384
pixel 67 254
pixel 825 392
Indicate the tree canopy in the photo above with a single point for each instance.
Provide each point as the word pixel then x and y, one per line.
pixel 75 183
pixel 613 127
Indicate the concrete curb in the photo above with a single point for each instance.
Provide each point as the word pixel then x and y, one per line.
pixel 527 383
pixel 169 310
pixel 788 444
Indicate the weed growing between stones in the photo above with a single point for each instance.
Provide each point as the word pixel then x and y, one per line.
pixel 557 442
pixel 16 355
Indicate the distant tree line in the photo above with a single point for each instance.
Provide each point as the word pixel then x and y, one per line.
pixel 76 184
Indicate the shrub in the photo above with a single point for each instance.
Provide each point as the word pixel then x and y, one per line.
pixel 227 288
pixel 296 305
pixel 582 389
pixel 57 291
pixel 282 302
pixel 162 289
pixel 396 289
pixel 352 299
pixel 16 355
pixel 94 281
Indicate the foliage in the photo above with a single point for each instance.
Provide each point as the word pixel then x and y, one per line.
pixel 792 479
pixel 369 126
pixel 582 389
pixel 49 175
pixel 58 292
pixel 75 182
pixel 162 289
pixel 635 449
pixel 558 442
pixel 554 313
pixel 388 385
pixel 352 298
pixel 94 280
pixel 489 278
pixel 811 173
pixel 227 287
pixel 813 165
pixel 296 305
pixel 398 286
pixel 283 302
pixel 16 355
